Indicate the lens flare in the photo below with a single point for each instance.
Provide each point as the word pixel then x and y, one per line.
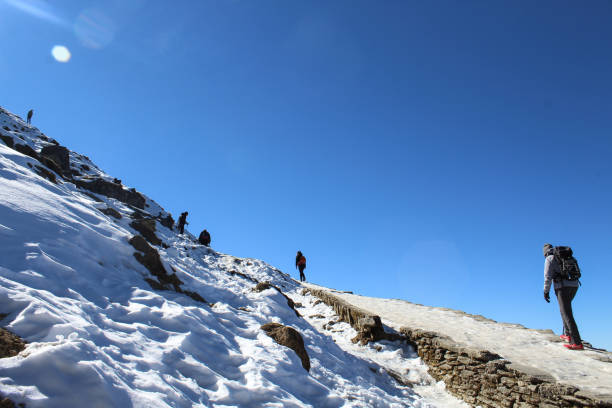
pixel 94 29
pixel 61 53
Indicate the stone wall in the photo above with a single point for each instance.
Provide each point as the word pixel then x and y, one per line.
pixel 479 377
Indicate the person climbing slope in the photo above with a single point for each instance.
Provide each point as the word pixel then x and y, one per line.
pixel 561 268
pixel 204 238
pixel 300 263
pixel 182 221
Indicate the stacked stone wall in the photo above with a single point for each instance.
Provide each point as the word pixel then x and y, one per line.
pixel 478 377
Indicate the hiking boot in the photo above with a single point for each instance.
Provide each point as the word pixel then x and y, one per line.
pixel 565 338
pixel 574 346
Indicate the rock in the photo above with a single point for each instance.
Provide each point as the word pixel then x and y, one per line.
pixel 44 173
pixel 146 227
pixel 150 259
pixel 261 286
pixel 195 296
pixel 167 221
pixel 10 344
pixel 59 154
pixel 245 277
pixel 27 150
pixel 7 403
pixel 112 190
pixel 288 337
pixel 369 326
pixel 8 140
pixel 112 212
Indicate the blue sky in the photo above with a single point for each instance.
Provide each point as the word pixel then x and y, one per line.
pixel 414 150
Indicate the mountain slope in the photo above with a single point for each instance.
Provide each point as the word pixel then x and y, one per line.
pixel 111 320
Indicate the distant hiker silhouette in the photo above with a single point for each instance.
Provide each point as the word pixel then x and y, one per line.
pixel 182 221
pixel 300 263
pixel 204 238
pixel 561 268
pixel 30 113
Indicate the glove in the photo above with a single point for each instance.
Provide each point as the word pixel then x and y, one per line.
pixel 547 297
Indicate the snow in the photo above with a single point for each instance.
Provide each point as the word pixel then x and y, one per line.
pixel 97 332
pixel 539 349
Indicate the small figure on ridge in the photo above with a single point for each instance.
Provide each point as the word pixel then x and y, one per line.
pixel 30 113
pixel 182 221
pixel 300 263
pixel 204 238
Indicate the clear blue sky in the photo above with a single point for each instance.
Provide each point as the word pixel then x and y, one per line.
pixel 411 149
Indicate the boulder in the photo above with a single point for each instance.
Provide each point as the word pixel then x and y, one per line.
pixel 288 337
pixel 146 227
pixel 59 154
pixel 166 221
pixel 150 259
pixel 112 190
pixel 8 140
pixel 261 286
pixel 10 344
pixel 27 150
pixel 42 172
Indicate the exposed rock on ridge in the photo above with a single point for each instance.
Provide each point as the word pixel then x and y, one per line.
pixel 288 337
pixel 479 377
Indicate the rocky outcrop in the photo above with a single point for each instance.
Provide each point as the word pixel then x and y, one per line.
pixel 10 344
pixel 479 377
pixel 261 286
pixel 244 276
pixel 288 337
pixel 146 227
pixel 8 140
pixel 112 190
pixel 28 151
pixel 58 154
pixel 368 326
pixel 149 258
pixel 483 378
pixel 112 213
pixel 166 221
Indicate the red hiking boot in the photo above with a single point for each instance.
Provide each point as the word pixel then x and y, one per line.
pixel 574 346
pixel 565 338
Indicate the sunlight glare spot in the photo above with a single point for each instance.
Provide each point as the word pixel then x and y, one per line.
pixel 61 53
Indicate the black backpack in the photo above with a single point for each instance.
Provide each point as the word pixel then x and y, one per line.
pixel 568 265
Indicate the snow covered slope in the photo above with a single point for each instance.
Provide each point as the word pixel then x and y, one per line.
pixel 589 370
pixel 99 335
pixel 538 353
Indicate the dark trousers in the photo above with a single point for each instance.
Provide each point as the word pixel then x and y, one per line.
pixel 565 295
pixel 302 276
pixel 181 228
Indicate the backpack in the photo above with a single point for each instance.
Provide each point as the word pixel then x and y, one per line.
pixel 568 265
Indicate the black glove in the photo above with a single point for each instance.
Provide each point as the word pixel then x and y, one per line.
pixel 547 297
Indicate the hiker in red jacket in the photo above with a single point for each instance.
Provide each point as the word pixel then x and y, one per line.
pixel 300 263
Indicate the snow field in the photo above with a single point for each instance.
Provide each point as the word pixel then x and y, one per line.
pixel 98 334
